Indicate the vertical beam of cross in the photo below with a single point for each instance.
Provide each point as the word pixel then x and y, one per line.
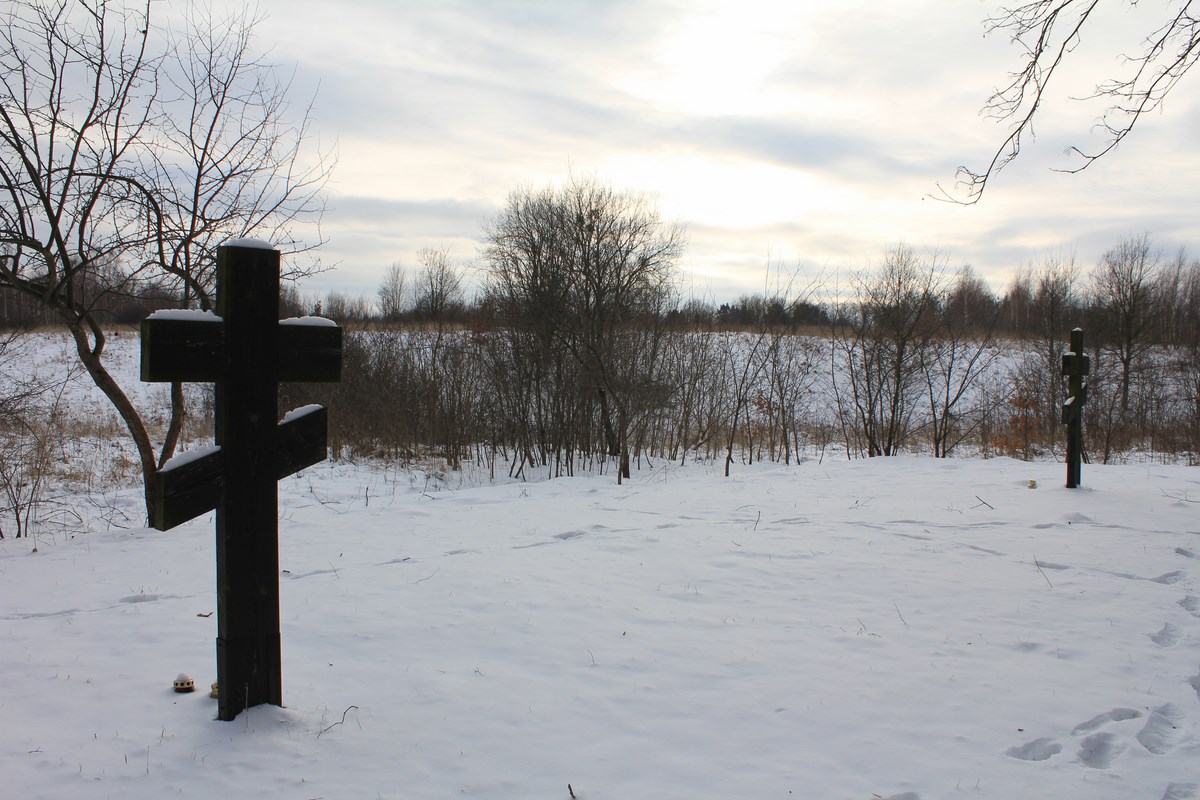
pixel 1075 366
pixel 248 645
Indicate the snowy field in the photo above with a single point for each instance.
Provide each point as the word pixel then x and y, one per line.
pixel 891 628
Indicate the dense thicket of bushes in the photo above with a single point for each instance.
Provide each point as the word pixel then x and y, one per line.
pixel 910 360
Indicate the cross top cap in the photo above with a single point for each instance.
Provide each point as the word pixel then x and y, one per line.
pixel 251 242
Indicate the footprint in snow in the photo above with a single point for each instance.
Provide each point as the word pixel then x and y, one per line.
pixel 1186 554
pixel 1037 750
pixel 1098 750
pixel 1170 577
pixel 569 535
pixel 1191 604
pixel 1194 682
pixel 1163 730
pixel 1182 791
pixel 140 598
pixel 1100 720
pixel 300 575
pixel 1168 636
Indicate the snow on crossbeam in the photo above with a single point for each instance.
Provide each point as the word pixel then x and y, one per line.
pixel 316 322
pixel 187 457
pixel 185 314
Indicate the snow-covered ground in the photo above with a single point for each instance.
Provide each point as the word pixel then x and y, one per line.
pixel 891 628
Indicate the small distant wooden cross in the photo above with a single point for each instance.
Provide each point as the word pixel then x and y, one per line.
pixel 1075 365
pixel 246 351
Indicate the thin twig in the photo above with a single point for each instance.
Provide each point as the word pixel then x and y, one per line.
pixel 342 720
pixel 1039 569
pixel 422 580
pixel 984 502
pixel 898 614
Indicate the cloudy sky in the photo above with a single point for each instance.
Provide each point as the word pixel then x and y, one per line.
pixel 801 135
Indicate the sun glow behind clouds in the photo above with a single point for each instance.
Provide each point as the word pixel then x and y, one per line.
pixel 719 55
pixel 732 193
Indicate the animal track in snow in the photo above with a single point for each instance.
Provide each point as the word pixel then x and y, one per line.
pixel 141 598
pixel 1194 682
pixel 299 575
pixel 1116 715
pixel 1037 750
pixel 149 598
pixel 1186 554
pixel 1170 577
pixel 569 535
pixel 1098 750
pixel 1181 791
pixel 1167 636
pixel 1162 730
pixel 1191 604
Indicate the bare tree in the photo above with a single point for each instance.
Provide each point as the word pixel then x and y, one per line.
pixel 744 359
pixel 393 294
pixel 956 361
pixel 891 321
pixel 439 285
pixel 1055 300
pixel 1047 31
pixel 584 266
pixel 127 153
pixel 1188 356
pixel 342 307
pixel 1123 288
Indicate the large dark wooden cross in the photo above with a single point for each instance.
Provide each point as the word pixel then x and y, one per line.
pixel 246 351
pixel 1075 365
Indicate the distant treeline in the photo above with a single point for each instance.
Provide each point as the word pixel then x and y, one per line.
pixel 910 359
pixel 906 357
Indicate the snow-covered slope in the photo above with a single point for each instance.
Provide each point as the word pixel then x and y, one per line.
pixel 892 628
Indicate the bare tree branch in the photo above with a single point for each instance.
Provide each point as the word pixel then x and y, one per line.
pixel 1048 31
pixel 128 153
